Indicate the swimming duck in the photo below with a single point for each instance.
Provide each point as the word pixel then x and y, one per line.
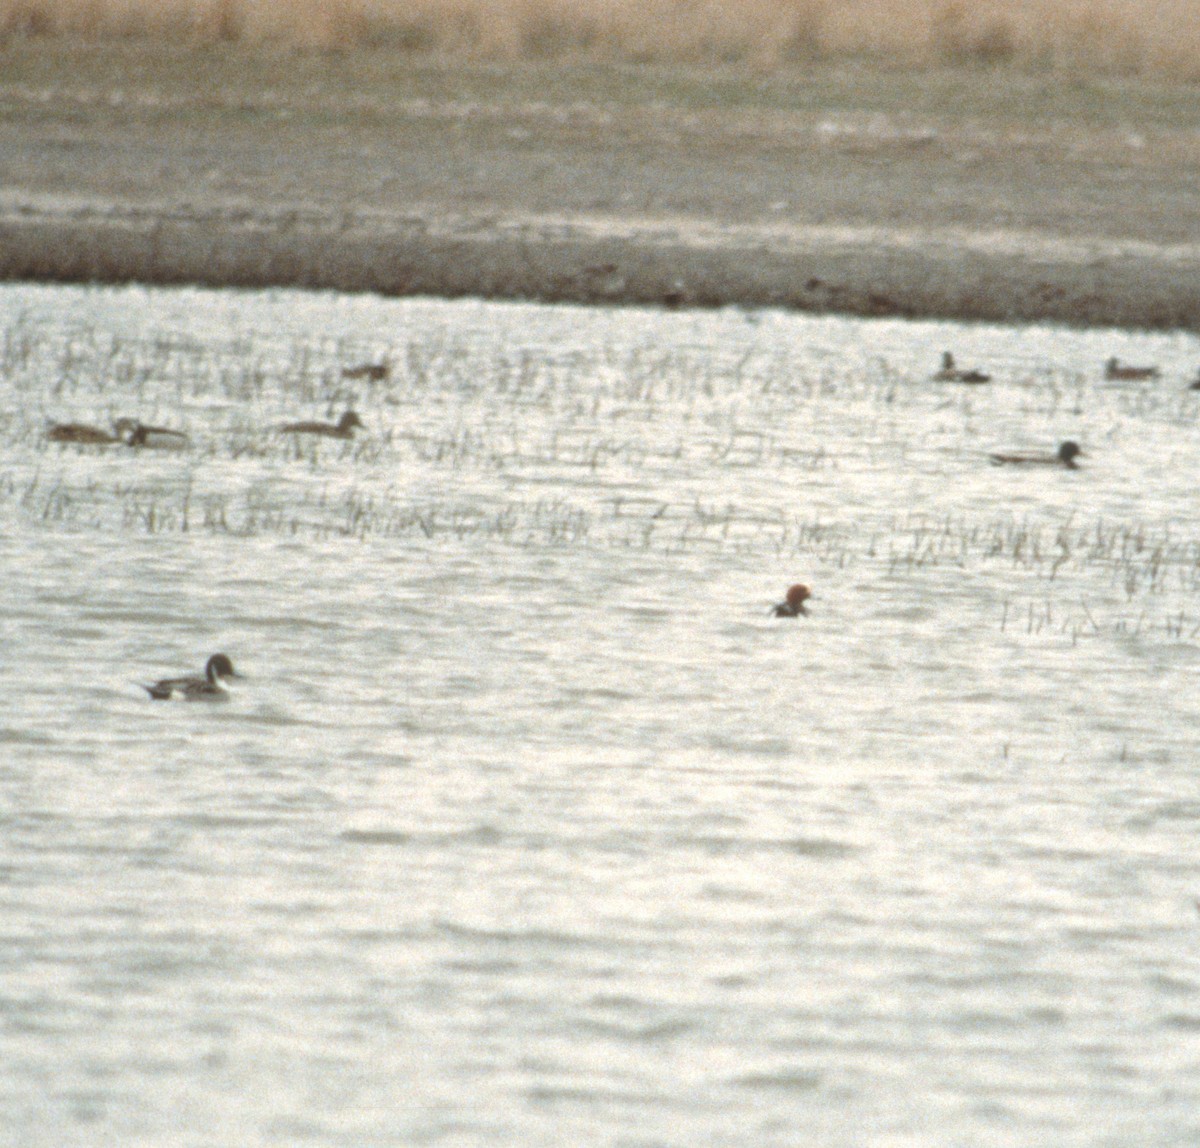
pixel 81 432
pixel 1195 386
pixel 138 434
pixel 1115 369
pixel 372 372
pixel 1067 453
pixel 952 374
pixel 209 688
pixel 793 604
pixel 344 428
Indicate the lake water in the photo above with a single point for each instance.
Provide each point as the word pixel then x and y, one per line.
pixel 528 825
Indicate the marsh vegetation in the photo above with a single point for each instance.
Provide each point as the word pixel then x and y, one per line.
pixel 521 757
pixel 824 444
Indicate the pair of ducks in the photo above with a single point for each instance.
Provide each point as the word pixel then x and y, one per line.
pixel 213 686
pixel 1068 451
pixel 130 432
pixel 1114 369
pixel 219 670
pixel 793 606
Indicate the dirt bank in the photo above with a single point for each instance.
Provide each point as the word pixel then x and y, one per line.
pixel 849 192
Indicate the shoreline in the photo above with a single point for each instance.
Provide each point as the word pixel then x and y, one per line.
pixel 866 271
pixel 959 194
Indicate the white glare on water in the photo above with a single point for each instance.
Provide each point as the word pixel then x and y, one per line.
pixel 527 823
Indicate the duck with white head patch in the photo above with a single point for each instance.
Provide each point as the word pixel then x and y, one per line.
pixel 210 688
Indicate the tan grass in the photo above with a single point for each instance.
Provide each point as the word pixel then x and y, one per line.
pixel 1158 38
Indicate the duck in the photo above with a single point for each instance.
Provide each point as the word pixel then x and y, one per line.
pixel 209 688
pixel 82 433
pixel 1066 455
pixel 1115 369
pixel 792 605
pixel 138 434
pixel 372 372
pixel 953 374
pixel 343 429
pixel 1195 384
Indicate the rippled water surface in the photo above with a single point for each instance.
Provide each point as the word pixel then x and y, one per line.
pixel 528 824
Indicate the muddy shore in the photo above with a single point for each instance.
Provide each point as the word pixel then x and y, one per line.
pixel 588 196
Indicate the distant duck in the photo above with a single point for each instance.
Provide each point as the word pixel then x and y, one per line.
pixel 1195 386
pixel 209 688
pixel 372 372
pixel 1066 455
pixel 82 433
pixel 952 374
pixel 138 434
pixel 344 428
pixel 1115 369
pixel 793 604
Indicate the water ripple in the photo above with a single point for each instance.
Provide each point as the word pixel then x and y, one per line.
pixel 525 797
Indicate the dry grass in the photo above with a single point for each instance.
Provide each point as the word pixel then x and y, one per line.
pixel 1158 38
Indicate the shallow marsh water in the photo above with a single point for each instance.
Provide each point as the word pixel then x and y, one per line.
pixel 528 825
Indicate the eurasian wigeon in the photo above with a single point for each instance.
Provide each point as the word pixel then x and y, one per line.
pixel 793 604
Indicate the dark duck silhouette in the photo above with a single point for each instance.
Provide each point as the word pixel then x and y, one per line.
pixel 1066 455
pixel 343 428
pixel 954 374
pixel 372 372
pixel 81 432
pixel 1115 369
